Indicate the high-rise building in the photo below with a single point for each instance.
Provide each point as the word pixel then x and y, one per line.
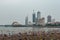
pixel 34 17
pixel 38 15
pixel 41 21
pixel 26 20
pixel 48 18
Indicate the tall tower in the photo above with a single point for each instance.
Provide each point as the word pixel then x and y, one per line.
pixel 26 20
pixel 38 15
pixel 48 18
pixel 34 17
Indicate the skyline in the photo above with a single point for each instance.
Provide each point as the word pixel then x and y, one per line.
pixel 11 10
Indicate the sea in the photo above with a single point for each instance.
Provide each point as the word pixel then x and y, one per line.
pixel 14 30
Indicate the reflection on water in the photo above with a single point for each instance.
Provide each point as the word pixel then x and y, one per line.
pixel 7 30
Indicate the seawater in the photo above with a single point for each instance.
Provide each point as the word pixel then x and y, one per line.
pixel 7 30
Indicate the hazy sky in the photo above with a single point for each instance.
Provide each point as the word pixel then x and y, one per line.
pixel 17 10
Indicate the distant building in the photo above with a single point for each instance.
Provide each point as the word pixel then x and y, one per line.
pixel 34 17
pixel 53 20
pixel 26 20
pixel 57 23
pixel 48 19
pixel 30 23
pixel 36 21
pixel 41 21
pixel 15 23
pixel 38 15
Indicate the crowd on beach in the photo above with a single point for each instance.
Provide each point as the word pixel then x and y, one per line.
pixel 31 35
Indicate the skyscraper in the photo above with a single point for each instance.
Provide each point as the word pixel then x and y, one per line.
pixel 26 20
pixel 38 15
pixel 34 17
pixel 48 18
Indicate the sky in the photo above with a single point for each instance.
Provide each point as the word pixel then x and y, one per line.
pixel 17 10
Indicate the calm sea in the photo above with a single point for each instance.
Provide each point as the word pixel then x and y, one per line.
pixel 6 30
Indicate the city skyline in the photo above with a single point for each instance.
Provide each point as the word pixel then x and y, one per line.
pixel 17 10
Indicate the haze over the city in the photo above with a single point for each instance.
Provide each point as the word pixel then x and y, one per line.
pixel 17 10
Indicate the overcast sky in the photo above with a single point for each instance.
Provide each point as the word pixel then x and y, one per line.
pixel 17 10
